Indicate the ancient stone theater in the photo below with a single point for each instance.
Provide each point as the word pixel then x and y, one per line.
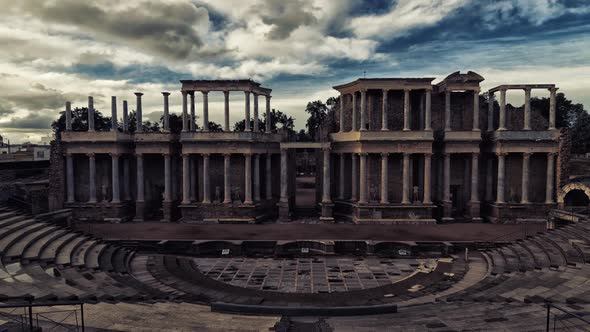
pixel 393 151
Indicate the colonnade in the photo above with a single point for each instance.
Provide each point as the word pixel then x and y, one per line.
pixel 384 110
pixel 475 92
pixel 527 108
pixel 188 121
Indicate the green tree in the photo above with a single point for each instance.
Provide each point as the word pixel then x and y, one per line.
pixel 276 117
pixel 318 113
pixel 80 121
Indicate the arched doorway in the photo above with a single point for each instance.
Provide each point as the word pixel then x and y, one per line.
pixel 574 196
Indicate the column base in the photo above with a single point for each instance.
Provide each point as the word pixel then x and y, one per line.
pixel 475 211
pixel 447 209
pixel 139 211
pixel 284 213
pixel 167 211
pixel 327 211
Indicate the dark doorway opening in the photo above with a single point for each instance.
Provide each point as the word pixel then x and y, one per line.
pixel 576 199
pixel 306 205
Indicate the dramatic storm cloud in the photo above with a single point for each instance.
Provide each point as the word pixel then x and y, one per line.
pixel 64 50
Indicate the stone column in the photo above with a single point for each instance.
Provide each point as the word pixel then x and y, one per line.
pixel 268 176
pixel 476 110
pixel 502 125
pixel 341 112
pixel 384 110
pixel 428 112
pixel 526 159
pixel 406 179
pixel 427 178
pixel 474 177
pixel 226 110
pixel 550 178
pixel 184 112
pixel 257 177
pixel 192 117
pixel 447 177
pixel 140 202
pixel 354 177
pixel 206 189
pixel 193 174
pixel 247 110
pixel 489 180
pixel 205 110
pixel 255 129
pixel 363 179
pixel 68 116
pixel 114 124
pixel 341 177
pixel 527 109
pixel 384 178
pixel 501 173
pixel 248 178
pixel 115 178
pixel 354 113
pixel 90 113
pixel 552 108
pixel 166 122
pixel 92 178
pixel 126 179
pixel 284 177
pixel 226 178
pixel 406 109
pixel 447 110
pixel 70 177
pixel 167 178
pixel 125 117
pixel 268 123
pixel 139 111
pixel 186 179
pixel 326 197
pixel 363 109
pixel 490 111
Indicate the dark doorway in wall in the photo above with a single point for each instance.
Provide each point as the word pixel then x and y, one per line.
pixel 305 184
pixel 576 199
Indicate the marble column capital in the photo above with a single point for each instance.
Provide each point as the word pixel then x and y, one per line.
pixel 185 155
pixel 551 154
pixel 91 155
pixel 527 155
pixel 428 154
pixel 139 94
pixel 184 93
pixel 227 154
pixel 384 154
pixel 166 93
pixel 407 154
pixel 501 154
pixel 554 89
pixel 226 92
pixel 363 154
pixel 247 93
pixel 115 154
pixel 205 93
pixel 191 93
pixel 247 154
pixel 385 90
pixel 138 155
pixel 527 89
pixel 206 155
pixel 407 90
pixel 363 90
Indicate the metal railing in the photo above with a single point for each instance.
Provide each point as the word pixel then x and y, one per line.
pixel 56 320
pixel 564 320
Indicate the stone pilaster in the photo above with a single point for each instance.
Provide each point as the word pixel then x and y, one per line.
pixel 527 109
pixel 268 174
pixel 268 122
pixel 474 203
pixel 70 178
pixel 257 177
pixel 125 116
pixel 205 110
pixel 139 111
pixel 248 178
pixel 384 110
pixel 192 118
pixel 490 180
pixel 406 179
pixel 184 111
pixel 68 116
pixel 550 180
pixel 114 124
pixel 501 174
pixel 166 122
pixel 552 92
pixel 326 194
pixel 226 110
pixel 502 125
pixel 139 200
pixel 427 178
pixel 126 179
pixel 428 111
pixel 476 110
pixel 354 177
pixel 491 111
pixel 193 174
pixel 363 179
pixel 90 113
pixel 342 113
pixel 255 129
pixel 406 109
pixel 447 203
pixel 186 178
pixel 283 203
pixel 92 178
pixel 384 178
pixel 206 187
pixel 363 110
pixel 226 178
pixel 354 113
pixel 526 160
pixel 167 203
pixel 341 177
pixel 115 178
pixel 447 110
pixel 247 111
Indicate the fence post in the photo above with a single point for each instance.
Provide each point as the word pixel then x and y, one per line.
pixel 82 315
pixel 31 315
pixel 548 316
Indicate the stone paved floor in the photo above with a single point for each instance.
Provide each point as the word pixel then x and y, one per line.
pixel 309 275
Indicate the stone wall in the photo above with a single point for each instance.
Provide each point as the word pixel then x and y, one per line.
pixel 56 190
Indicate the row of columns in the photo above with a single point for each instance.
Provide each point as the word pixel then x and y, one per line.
pixel 114 119
pixel 384 110
pixel 525 178
pixel 360 183
pixel 475 109
pixel 527 109
pixel 188 122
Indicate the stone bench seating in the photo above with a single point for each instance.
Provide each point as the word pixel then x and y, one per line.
pixel 556 258
pixel 91 258
pixel 78 256
pixel 8 240
pixel 50 252
pixel 512 262
pixel 64 253
pixel 139 270
pixel 18 248
pixel 540 257
pixel 572 256
pixel 13 227
pixel 498 262
pixel 580 243
pixel 34 251
pixel 526 261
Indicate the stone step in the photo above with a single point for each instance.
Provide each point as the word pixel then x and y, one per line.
pixel 9 229
pixel 11 220
pixel 105 258
pixel 572 255
pixel 49 253
pixel 64 255
pixel 17 250
pixel 556 258
pixel 78 257
pixel 540 257
pixel 8 240
pixel 93 254
pixel 33 252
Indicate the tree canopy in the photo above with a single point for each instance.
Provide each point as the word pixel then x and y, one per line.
pixel 276 116
pixel 80 121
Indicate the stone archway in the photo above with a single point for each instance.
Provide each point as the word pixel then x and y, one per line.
pixel 573 187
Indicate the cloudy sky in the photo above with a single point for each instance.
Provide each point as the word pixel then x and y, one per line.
pixel 58 50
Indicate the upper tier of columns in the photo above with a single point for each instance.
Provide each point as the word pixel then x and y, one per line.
pixel 188 120
pixel 384 110
pixel 527 107
pixel 475 92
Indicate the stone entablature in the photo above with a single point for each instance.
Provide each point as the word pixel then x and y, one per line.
pixel 414 135
pixel 96 136
pixel 385 84
pixel 224 85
